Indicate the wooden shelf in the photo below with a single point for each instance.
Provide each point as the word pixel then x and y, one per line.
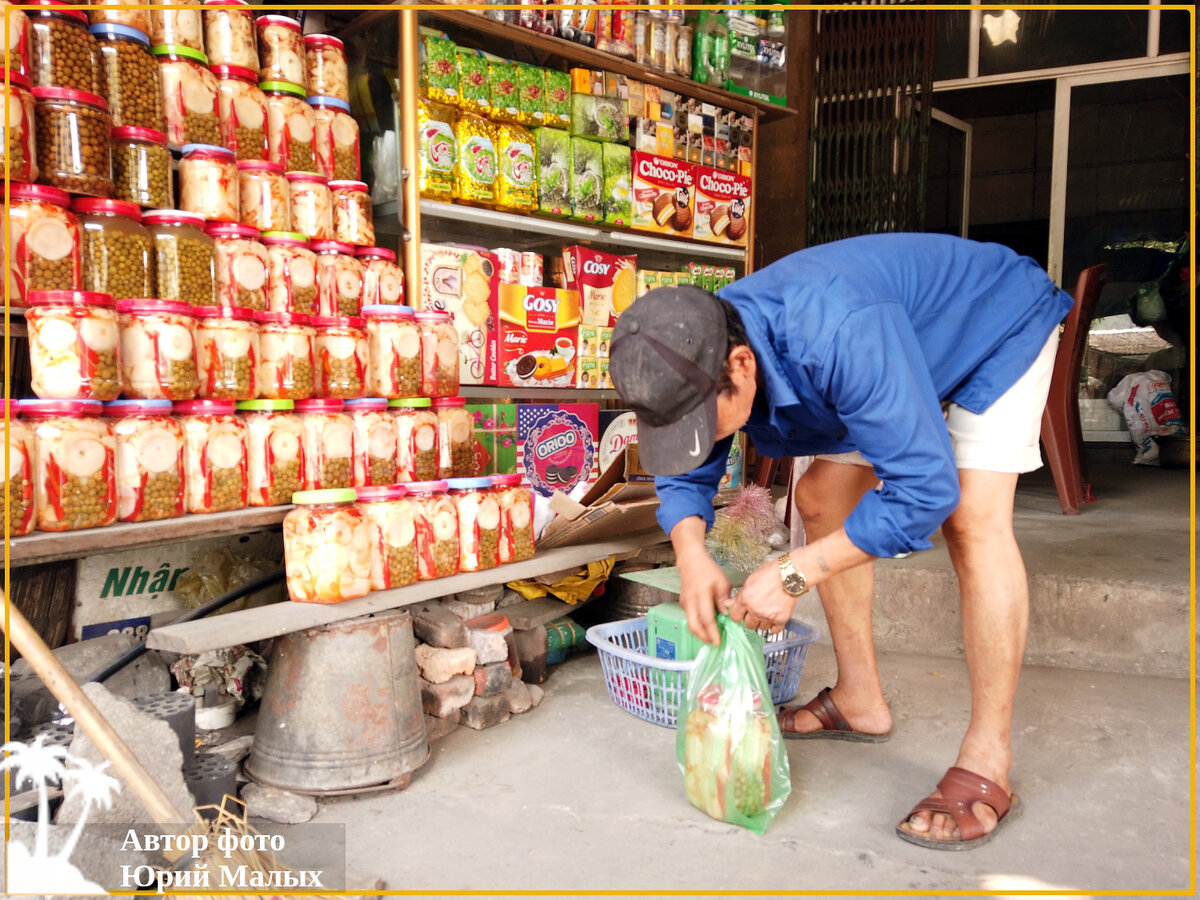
pixel 538 395
pixel 265 622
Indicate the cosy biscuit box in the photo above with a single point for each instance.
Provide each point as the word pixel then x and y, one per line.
pixel 536 333
pixel 663 194
pixel 722 206
pixel 463 281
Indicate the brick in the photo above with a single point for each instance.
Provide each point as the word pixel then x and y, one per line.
pixel 484 712
pixel 531 652
pixel 519 697
pixel 440 664
pixel 437 626
pixel 489 646
pixel 442 700
pixel 536 694
pixel 492 679
pixel 437 728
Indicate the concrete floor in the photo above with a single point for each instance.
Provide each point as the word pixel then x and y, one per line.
pixel 580 795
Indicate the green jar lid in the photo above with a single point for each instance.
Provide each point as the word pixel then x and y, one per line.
pixel 418 402
pixel 179 50
pixel 330 495
pixel 266 404
pixel 286 86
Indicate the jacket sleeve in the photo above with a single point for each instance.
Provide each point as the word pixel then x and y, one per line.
pixel 692 493
pixel 876 378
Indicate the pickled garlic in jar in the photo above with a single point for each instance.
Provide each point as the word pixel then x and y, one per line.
pixel 281 51
pixel 150 471
pixel 286 369
pixel 158 357
pixel 226 352
pixel 436 524
pixel 18 480
pixel 241 266
pixel 394 352
pixel 383 280
pixel 45 236
pixel 328 444
pixel 73 345
pixel 456 438
pixel 326 548
pixel 274 451
pixel 341 352
pixel 516 517
pixel 391 521
pixel 339 279
pixel 214 455
pixel 416 439
pixel 75 483
pixel 439 353
pixel 292 283
pixel 374 441
pixel 478 523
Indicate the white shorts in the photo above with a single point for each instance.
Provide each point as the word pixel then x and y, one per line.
pixel 1004 437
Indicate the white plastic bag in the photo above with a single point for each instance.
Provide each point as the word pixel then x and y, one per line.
pixel 1150 409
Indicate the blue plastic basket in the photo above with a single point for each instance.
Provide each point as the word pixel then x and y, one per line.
pixel 651 688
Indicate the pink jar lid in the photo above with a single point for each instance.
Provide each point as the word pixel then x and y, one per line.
pixel 264 21
pixel 346 185
pixel 331 247
pixel 132 133
pixel 239 72
pixel 172 217
pixel 41 408
pixel 41 192
pixel 449 402
pixel 226 3
pixel 370 404
pixel 372 493
pixel 259 165
pixel 71 298
pixel 425 487
pixel 431 315
pixel 15 78
pixel 54 6
pixel 282 318
pixel 319 404
pixel 12 408
pixel 339 322
pixel 387 311
pixel 205 407
pixel 285 238
pixel 121 408
pixel 61 93
pixel 207 151
pixel 230 229
pixel 145 305
pixel 88 205
pixel 327 40
pixel 381 252
pixel 239 313
pixel 303 177
pixel 506 480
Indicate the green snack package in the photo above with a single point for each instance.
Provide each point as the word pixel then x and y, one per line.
pixel 474 92
pixel 531 85
pixel 554 171
pixel 502 81
pixel 557 92
pixel 728 744
pixel 439 68
pixel 618 196
pixel 600 118
pixel 587 180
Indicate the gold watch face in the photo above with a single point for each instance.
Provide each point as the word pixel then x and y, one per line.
pixel 793 582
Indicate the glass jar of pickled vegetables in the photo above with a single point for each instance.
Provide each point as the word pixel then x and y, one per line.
pixel 226 352
pixel 19 132
pixel 242 108
pixel 285 356
pixel 242 266
pixel 393 352
pixel 341 356
pixel 383 280
pixel 189 96
pixel 61 52
pixel 208 182
pixel 74 482
pixel 73 338
pixel 456 438
pixel 141 167
pixel 439 353
pixel 109 12
pixel 374 441
pixel 18 479
pixel 274 454
pixel 290 125
pixel 150 476
pixel 391 525
pixel 328 444
pixel 265 196
pixel 326 548
pixel 416 439
pixel 184 256
pixel 158 349
pixel 335 139
pixel 117 252
pixel 72 140
pixel 328 75
pixel 436 525
pixel 45 237
pixel 353 218
pixel 214 455
pixel 178 25
pixel 339 279
pixel 311 204
pixel 292 283
pixel 229 38
pixel 134 95
pixel 14 55
pixel 516 517
pixel 281 51
pixel 478 523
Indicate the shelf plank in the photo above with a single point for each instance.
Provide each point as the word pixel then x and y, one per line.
pixel 538 395
pixel 265 622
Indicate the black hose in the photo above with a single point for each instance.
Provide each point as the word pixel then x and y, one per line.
pixel 199 612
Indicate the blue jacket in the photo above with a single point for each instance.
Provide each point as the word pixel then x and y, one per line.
pixel 858 341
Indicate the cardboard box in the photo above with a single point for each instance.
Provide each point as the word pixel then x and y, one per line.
pixel 663 195
pixel 722 207
pixel 463 281
pixel 536 334
pixel 613 506
pixel 556 446
pixel 607 283
pixel 495 437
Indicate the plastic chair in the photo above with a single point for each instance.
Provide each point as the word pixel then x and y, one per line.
pixel 1062 435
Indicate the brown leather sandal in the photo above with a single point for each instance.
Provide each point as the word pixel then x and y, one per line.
pixel 961 789
pixel 833 724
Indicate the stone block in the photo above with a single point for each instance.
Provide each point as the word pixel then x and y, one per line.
pixel 509 598
pixel 271 803
pixel 531 652
pixel 445 699
pixel 484 712
pixel 472 604
pixel 440 664
pixel 492 679
pixel 536 694
pixel 489 646
pixel 519 697
pixel 437 728
pixel 437 626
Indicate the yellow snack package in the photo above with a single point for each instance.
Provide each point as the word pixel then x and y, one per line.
pixel 475 167
pixel 516 172
pixel 437 150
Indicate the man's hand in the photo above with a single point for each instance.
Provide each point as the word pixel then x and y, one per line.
pixel 704 589
pixel 762 602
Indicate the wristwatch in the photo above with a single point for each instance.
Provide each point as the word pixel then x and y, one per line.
pixel 793 582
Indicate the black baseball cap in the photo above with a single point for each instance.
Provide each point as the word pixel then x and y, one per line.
pixel 666 356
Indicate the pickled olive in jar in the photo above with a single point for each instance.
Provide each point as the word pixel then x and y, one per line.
pixel 391 524
pixel 180 27
pixel 281 51
pixel 328 444
pixel 292 284
pixel 214 455
pixel 117 252
pixel 20 130
pixel 374 441
pixel 393 351
pixel 46 242
pixel 290 126
pixel 383 280
pixel 335 139
pixel 326 548
pixel 189 97
pixel 416 439
pixel 18 479
pixel 516 517
pixel 242 108
pixel 328 75
pixel 456 438
pixel 274 454
pixel 61 52
pixel 439 353
pixel 311 205
pixel 72 141
pixel 73 345
pixel 141 167
pixel 478 523
pixel 158 357
pixel 341 354
pixel 241 266
pixel 339 279
pixel 184 256
pixel 264 197
pixel 75 482
pixel 437 529
pixel 353 217
pixel 208 183
pixel 150 477
pixel 14 55
pixel 131 71
pixel 107 12
pixel 226 352
pixel 229 38
pixel 285 356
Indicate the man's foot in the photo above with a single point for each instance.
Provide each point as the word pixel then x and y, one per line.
pixel 964 812
pixel 821 717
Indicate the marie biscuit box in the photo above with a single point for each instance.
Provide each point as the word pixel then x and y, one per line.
pixel 663 194
pixel 722 206
pixel 536 336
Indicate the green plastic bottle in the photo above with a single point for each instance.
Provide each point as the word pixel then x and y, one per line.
pixel 710 49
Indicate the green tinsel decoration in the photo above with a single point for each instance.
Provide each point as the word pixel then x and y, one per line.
pixel 741 534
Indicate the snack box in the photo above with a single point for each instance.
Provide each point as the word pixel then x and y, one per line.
pixel 722 206
pixel 556 446
pixel 606 282
pixel 554 171
pixel 535 335
pixel 617 196
pixel 587 180
pixel 663 194
pixel 463 282
pixel 600 118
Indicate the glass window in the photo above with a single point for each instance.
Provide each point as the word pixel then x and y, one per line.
pixel 1017 40
pixel 951 45
pixel 1173 30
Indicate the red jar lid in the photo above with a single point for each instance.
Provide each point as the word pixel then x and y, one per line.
pixel 207 151
pixel 323 40
pixel 122 408
pixel 339 322
pixel 60 93
pixel 345 185
pixel 12 408
pixel 497 622
pixel 425 487
pixel 319 404
pixel 381 252
pixel 439 402
pixel 54 6
pixel 15 78
pixel 42 192
pixel 90 205
pixel 172 217
pixel 307 176
pixel 282 318
pixel 230 229
pixel 239 313
pixel 71 298
pixel 264 21
pixel 259 165
pixel 431 315
pixel 377 492
pixel 285 238
pixel 131 133
pixel 41 408
pixel 241 73
pixel 331 247
pixel 370 404
pixel 226 3
pixel 205 407
pixel 146 305
pixel 506 480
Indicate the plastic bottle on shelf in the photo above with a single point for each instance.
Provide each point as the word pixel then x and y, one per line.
pixel 710 50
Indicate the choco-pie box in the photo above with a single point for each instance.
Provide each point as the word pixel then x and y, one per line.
pixel 663 194
pixel 722 206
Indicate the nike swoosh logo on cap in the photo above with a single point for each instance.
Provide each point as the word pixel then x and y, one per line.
pixel 696 452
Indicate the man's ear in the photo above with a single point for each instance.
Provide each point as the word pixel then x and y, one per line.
pixel 742 363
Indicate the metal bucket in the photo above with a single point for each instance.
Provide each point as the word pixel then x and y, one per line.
pixel 341 709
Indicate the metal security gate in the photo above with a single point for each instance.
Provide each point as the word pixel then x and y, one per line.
pixel 872 93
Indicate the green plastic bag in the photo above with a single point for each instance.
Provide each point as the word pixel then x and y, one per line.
pixel 728 743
